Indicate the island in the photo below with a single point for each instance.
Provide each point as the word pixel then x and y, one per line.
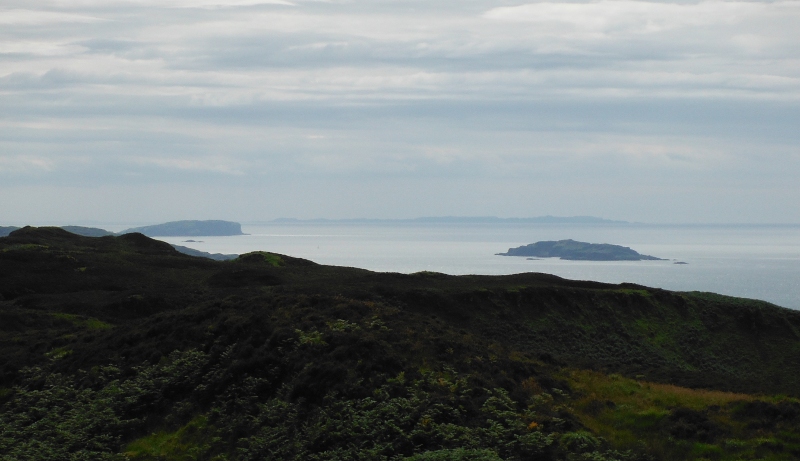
pixel 190 228
pixel 578 251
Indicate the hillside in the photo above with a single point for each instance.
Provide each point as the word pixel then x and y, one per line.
pixel 123 348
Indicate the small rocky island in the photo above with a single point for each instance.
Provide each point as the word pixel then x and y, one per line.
pixel 189 229
pixel 578 251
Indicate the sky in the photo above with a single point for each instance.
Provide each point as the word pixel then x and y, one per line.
pixel 158 110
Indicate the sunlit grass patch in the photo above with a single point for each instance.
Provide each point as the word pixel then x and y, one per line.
pixel 58 353
pixel 646 395
pixel 25 247
pixel 262 256
pixel 89 323
pixel 187 443
pixel 678 423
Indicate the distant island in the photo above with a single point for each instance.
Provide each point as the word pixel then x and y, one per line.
pixel 578 251
pixel 459 220
pixel 189 229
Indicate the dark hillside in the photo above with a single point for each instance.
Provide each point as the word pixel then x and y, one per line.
pixel 122 344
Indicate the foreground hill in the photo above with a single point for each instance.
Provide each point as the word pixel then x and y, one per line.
pixel 123 348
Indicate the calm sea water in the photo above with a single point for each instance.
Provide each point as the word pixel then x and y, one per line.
pixel 745 261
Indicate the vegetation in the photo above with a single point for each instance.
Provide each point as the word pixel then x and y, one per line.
pixel 122 348
pixel 680 423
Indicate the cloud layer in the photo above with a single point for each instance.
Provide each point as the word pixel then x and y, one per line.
pixel 642 110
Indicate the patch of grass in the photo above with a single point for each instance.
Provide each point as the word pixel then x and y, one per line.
pixel 89 323
pixel 706 451
pixel 262 256
pixel 25 247
pixel 190 442
pixel 678 423
pixel 631 291
pixel 311 338
pixel 58 353
pixel 643 395
pixel 340 325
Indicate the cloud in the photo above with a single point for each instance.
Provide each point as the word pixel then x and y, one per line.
pixel 25 17
pixel 249 91
pixel 24 164
pixel 216 164
pixel 165 3
pixel 614 17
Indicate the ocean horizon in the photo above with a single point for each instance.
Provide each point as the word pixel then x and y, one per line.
pixel 749 261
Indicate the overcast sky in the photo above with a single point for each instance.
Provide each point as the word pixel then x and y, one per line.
pixel 157 110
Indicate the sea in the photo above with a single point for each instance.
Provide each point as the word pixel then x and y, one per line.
pixel 748 261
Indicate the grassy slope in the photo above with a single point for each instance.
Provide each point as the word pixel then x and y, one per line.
pixel 287 336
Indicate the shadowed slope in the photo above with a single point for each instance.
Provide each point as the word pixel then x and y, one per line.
pixel 273 357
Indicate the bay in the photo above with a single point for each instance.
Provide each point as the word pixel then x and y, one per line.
pixel 760 262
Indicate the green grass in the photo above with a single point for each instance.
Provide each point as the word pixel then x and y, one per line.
pixel 58 353
pixel 269 258
pixel 25 247
pixel 189 443
pixel 89 323
pixel 630 413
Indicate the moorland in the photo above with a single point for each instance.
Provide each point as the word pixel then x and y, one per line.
pixel 120 347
